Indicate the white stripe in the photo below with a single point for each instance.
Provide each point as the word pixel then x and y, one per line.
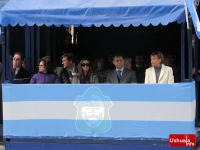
pixel 154 111
pixel 120 110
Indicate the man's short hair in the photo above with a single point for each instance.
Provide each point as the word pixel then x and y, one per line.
pixel 69 56
pixel 139 54
pixel 118 55
pixel 20 54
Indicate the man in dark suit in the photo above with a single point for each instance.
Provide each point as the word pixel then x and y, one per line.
pixel 18 71
pixel 139 68
pixel 69 68
pixel 120 74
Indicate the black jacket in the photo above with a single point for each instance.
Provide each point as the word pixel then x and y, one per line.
pixel 64 76
pixel 22 74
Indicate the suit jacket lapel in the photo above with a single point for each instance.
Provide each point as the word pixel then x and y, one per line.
pixel 114 75
pixel 162 72
pixel 123 75
pixel 19 72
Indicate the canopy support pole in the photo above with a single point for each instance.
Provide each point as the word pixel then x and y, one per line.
pixel 189 32
pixel 189 37
pixel 32 51
pixel 53 37
pixel 37 43
pixel 60 34
pixel 197 120
pixel 27 47
pixel 183 52
pixel 8 56
pixel 3 69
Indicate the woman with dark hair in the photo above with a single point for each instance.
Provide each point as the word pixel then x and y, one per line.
pixel 85 75
pixel 46 74
pixel 158 73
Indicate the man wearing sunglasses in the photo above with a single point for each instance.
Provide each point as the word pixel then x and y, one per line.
pixel 18 71
pixel 120 74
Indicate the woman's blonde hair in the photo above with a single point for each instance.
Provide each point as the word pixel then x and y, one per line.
pixel 127 61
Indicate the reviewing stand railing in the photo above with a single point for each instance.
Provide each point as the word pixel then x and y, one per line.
pixel 129 113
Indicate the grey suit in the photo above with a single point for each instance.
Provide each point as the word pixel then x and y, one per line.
pixel 128 76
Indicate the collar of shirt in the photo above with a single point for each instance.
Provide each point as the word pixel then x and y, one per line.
pixel 17 70
pixel 138 66
pixel 73 70
pixel 122 69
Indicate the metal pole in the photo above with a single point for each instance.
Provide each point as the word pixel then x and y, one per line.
pixel 189 32
pixel 53 34
pixel 196 58
pixel 60 39
pixel 8 56
pixel 27 47
pixel 189 35
pixel 183 52
pixel 10 66
pixel 37 43
pixel 3 69
pixel 32 54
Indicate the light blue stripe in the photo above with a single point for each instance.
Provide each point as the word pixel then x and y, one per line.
pixel 181 92
pixel 119 129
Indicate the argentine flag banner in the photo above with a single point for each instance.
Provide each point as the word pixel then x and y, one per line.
pixel 102 111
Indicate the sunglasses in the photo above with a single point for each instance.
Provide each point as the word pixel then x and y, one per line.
pixel 85 65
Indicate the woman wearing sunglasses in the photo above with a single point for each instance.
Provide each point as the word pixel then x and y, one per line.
pixel 85 75
pixel 158 73
pixel 46 74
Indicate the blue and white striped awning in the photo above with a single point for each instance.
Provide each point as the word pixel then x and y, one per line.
pixel 91 12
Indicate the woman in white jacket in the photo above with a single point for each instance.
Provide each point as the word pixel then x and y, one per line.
pixel 158 73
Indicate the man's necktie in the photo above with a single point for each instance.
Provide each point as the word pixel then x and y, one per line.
pixel 119 73
pixel 13 71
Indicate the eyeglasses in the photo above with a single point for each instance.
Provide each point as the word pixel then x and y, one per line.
pixel 17 59
pixel 40 65
pixel 85 65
